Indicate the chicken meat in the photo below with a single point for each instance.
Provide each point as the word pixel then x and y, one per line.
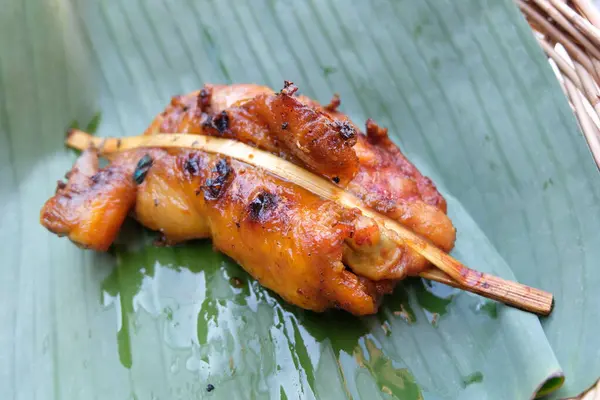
pixel 313 252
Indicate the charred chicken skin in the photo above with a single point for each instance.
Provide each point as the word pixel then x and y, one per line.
pixel 312 252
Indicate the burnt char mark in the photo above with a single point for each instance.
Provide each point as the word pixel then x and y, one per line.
pixel 345 130
pixel 207 121
pixel 334 103
pixel 96 177
pixel 192 164
pixel 336 179
pixel 204 99
pixel 219 122
pixel 142 169
pixel 260 208
pixel 285 125
pixel 215 185
pixel 289 88
pixel 103 176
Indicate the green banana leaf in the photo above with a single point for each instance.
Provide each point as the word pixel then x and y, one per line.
pixel 465 91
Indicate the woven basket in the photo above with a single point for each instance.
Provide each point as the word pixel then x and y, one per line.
pixel 592 394
pixel 569 34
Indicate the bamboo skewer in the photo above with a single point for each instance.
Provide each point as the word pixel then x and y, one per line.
pixel 451 271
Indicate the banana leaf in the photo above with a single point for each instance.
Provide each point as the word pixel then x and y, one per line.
pixel 465 92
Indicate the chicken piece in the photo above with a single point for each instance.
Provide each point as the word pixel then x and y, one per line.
pixel 278 123
pixel 91 207
pixel 392 185
pixel 289 239
pixel 389 183
pixel 313 252
pixel 383 178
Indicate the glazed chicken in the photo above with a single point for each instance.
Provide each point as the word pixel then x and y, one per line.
pixel 320 139
pixel 313 252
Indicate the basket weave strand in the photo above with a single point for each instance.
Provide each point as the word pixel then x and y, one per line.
pixel 569 34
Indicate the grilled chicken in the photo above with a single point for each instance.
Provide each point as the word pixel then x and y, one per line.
pixel 313 252
pixel 375 170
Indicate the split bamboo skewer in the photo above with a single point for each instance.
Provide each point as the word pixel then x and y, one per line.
pixel 451 271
